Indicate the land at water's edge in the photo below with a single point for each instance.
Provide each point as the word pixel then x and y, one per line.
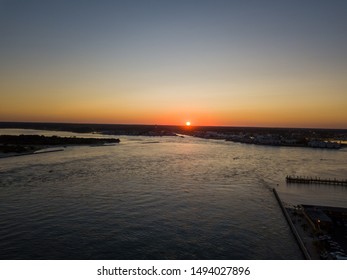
pixel 320 231
pixel 13 145
pixel 288 137
pixel 323 239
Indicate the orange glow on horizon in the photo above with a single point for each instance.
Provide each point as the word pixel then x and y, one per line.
pixel 312 115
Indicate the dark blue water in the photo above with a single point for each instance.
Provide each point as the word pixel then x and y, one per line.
pixel 158 198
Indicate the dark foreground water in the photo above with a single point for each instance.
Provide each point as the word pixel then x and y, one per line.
pixel 159 198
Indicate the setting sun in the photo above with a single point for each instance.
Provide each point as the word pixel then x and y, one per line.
pixel 188 123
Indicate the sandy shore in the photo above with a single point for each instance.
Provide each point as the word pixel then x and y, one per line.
pixel 35 152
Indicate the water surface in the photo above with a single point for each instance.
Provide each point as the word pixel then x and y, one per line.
pixel 159 198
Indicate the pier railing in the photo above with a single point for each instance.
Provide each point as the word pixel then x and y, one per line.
pixel 315 180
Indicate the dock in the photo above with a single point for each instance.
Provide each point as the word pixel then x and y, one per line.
pixel 292 227
pixel 315 180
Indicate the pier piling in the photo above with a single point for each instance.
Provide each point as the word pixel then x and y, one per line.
pixel 311 180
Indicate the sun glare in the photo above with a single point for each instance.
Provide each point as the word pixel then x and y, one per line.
pixel 188 123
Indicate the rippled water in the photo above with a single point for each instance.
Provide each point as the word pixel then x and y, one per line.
pixel 159 198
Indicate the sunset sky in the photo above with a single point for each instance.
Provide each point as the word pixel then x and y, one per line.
pixel 231 63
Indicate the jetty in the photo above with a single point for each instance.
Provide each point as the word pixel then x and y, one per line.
pixel 300 242
pixel 315 180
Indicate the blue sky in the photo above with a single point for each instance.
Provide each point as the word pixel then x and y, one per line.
pixel 212 62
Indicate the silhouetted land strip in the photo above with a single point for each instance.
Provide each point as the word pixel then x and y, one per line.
pixel 107 129
pixel 292 137
pixel 137 129
pixel 292 227
pixel 52 140
pixel 32 143
pixel 311 180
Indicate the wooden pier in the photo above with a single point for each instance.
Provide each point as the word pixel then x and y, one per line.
pixel 315 180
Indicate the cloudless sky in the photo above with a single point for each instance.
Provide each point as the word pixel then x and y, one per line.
pixel 218 62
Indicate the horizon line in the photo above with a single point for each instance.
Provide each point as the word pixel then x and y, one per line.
pixel 175 125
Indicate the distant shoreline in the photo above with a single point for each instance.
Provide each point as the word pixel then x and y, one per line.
pixel 16 145
pixel 118 129
pixel 277 137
